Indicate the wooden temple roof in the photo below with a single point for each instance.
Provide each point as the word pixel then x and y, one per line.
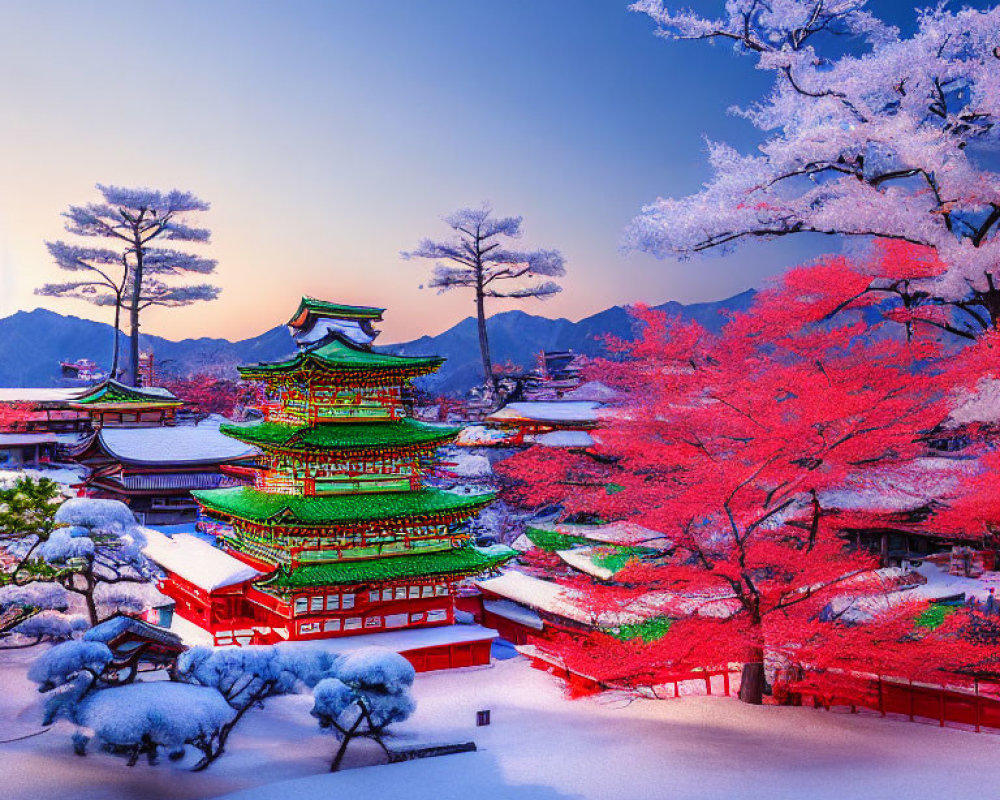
pixel 310 308
pixel 458 561
pixel 318 511
pixel 399 434
pixel 339 355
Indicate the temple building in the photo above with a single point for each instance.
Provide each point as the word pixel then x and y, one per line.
pixel 43 425
pixel 339 522
pixel 154 469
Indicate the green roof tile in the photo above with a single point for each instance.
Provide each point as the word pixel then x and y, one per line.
pixel 338 354
pixel 246 503
pixel 341 436
pixel 327 309
pixel 464 561
pixel 113 392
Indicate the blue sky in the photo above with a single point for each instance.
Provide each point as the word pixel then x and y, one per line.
pixel 331 135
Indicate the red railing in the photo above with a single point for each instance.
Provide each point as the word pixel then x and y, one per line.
pixel 978 707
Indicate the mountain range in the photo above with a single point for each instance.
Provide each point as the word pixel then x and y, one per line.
pixel 32 343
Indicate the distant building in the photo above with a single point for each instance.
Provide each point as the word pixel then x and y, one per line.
pixel 154 469
pixel 48 422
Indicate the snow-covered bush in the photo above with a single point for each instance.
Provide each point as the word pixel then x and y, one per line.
pixel 70 671
pixel 142 717
pixel 52 626
pixel 370 692
pixel 246 676
pixel 80 545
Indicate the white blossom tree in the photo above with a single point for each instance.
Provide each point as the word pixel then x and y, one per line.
pixel 868 133
pixel 134 274
pixel 475 258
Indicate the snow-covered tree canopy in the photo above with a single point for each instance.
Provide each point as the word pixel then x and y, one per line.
pixel 869 133
pixel 370 692
pixel 131 274
pixel 80 545
pixel 476 257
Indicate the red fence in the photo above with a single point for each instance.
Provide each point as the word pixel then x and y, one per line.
pixel 978 707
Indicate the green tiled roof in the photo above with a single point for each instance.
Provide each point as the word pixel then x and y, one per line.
pixel 649 630
pixel 464 561
pixel 113 392
pixel 338 354
pixel 551 541
pixel 246 503
pixel 344 435
pixel 324 308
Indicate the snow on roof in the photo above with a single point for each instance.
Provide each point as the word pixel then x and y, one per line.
pixel 582 559
pixel 195 560
pixel 623 534
pixel 185 444
pixel 592 390
pixel 32 394
pixel 514 612
pixel 537 594
pixel 479 434
pixel 403 640
pixel 901 488
pixel 979 405
pixel 25 439
pixel 564 439
pixel 540 411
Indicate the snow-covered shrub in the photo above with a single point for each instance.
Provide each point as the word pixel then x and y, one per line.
pixel 52 626
pixel 141 717
pixel 67 660
pixel 92 514
pixel 371 692
pixel 376 669
pixel 69 671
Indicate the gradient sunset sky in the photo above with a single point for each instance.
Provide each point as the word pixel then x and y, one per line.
pixel 330 135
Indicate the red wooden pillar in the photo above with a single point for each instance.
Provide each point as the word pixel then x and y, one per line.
pixel 911 701
pixel 978 702
pixel 725 682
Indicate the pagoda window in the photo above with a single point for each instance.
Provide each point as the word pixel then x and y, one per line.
pixel 395 620
pixel 332 602
pixel 373 596
pixel 427 591
pixel 308 627
pixel 352 623
pixel 400 592
pixel 373 622
pixel 301 605
pixel 437 615
pixel 347 601
pixel 331 625
pixel 416 617
pixel 414 592
pixel 441 590
pixel 387 594
pixel 316 603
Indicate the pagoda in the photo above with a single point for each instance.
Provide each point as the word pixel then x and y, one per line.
pixel 339 520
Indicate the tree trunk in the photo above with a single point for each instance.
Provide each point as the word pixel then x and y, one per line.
pixel 134 316
pixel 484 345
pixel 117 345
pixel 752 682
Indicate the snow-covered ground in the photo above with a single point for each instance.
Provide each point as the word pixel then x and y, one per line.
pixel 540 746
